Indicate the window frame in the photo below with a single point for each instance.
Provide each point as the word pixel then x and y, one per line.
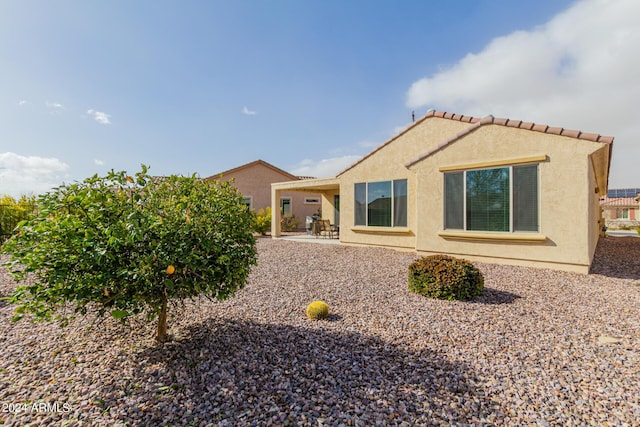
pixel 622 213
pixel 510 178
pixel 248 201
pixel 392 205
pixel 312 200
pixel 288 199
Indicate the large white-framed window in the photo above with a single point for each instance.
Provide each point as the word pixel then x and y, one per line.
pixel 381 203
pixel 499 199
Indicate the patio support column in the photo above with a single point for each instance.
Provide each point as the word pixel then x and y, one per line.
pixel 275 213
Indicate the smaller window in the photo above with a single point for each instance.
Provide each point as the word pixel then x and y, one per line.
pixel 622 213
pixel 285 206
pixel 247 201
pixel 311 200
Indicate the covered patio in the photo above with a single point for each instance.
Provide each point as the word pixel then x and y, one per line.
pixel 328 188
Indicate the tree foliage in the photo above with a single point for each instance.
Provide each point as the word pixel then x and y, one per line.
pixel 130 245
pixel 13 211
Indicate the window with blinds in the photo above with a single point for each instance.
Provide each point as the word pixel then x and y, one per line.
pixel 500 199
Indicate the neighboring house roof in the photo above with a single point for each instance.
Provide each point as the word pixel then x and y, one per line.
pixel 616 202
pixel 475 123
pixel 251 164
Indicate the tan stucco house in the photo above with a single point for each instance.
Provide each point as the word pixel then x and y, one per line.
pixel 254 180
pixel 486 189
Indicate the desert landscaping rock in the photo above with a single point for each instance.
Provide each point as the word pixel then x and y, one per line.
pixel 605 339
pixel 526 352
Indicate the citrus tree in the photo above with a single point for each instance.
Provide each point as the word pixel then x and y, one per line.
pixel 130 245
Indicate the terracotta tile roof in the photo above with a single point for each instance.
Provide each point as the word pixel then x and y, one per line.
pixel 522 125
pixel 618 201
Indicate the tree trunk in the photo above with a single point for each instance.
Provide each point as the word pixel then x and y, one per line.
pixel 162 323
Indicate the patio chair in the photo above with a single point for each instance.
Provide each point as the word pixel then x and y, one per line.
pixel 327 230
pixel 316 227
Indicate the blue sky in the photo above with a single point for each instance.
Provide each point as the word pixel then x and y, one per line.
pixel 309 86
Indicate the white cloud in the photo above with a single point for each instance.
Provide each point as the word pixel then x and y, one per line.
pixel 23 102
pixel 248 112
pixel 98 162
pixel 324 168
pixel 55 108
pixel 29 174
pixel 99 116
pixel 578 71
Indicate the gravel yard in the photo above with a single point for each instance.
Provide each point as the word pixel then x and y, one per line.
pixel 528 351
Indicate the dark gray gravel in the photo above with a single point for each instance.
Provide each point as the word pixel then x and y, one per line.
pixel 532 350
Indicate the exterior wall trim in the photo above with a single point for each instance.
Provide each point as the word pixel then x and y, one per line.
pixel 516 161
pixel 382 230
pixel 472 235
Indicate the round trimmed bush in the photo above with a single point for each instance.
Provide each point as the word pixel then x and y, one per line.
pixel 317 310
pixel 445 277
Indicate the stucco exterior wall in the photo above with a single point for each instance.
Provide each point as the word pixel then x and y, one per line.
pixel 388 163
pixel 565 187
pixel 328 206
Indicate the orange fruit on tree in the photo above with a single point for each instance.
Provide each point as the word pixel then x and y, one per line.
pixel 171 269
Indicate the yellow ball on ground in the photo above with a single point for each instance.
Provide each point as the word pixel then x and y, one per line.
pixel 171 269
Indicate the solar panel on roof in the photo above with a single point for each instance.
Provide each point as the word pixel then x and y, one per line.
pixel 623 192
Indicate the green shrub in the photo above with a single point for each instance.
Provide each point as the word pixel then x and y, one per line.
pixel 445 277
pixel 317 310
pixel 262 221
pixel 126 245
pixel 289 223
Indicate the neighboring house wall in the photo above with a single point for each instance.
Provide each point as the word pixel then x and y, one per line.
pixel 254 181
pixel 620 212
